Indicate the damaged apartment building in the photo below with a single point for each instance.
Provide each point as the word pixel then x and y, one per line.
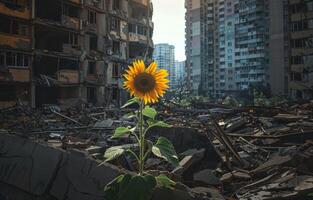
pixel 56 52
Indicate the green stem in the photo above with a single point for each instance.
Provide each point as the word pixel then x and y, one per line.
pixel 141 140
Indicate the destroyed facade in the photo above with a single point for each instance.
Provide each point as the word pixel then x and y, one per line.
pixel 54 52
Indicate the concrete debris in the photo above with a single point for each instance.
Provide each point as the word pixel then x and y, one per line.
pixel 207 177
pixel 236 153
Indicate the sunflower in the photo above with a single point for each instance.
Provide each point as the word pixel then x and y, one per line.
pixel 148 84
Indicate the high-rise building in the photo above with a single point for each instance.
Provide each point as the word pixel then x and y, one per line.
pixel 179 74
pixel 251 43
pixel 225 47
pixel 300 84
pixel 53 52
pixel 199 46
pixel 234 44
pixel 164 55
pixel 279 46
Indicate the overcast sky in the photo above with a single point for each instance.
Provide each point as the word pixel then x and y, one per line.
pixel 169 25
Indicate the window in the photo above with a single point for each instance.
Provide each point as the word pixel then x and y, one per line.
pixel 296 60
pixel 17 60
pixel 309 6
pixel 92 17
pixel 116 4
pixel 70 10
pixel 116 47
pixel 115 24
pixel 93 43
pixel 296 76
pixel 2 59
pixel 91 67
pixel 73 39
pixel 142 30
pixel 91 95
pixel 13 27
pixel 23 29
pixel 132 28
pixel 115 93
pixel 115 71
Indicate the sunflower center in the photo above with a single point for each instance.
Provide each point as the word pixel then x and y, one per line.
pixel 144 82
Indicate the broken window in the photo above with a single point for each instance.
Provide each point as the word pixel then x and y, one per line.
pixel 91 95
pixel 132 28
pixel 141 30
pixel 68 64
pixel 13 27
pixel 17 60
pixel 296 60
pixel 51 10
pixel 296 76
pixel 73 39
pixel 50 38
pixel 8 93
pixel 115 93
pixel 23 30
pixel 116 4
pixel 70 10
pixel 5 25
pixel 91 68
pixel 116 47
pixel 93 43
pixel 115 24
pixel 2 60
pixel 16 4
pixel 92 17
pixel 116 70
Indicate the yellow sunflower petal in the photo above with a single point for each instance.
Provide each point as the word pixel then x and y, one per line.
pixel 152 68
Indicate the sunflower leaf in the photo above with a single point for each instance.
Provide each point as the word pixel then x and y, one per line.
pixel 165 149
pixel 164 181
pixel 131 187
pixel 120 131
pixel 149 112
pixel 160 124
pixel 113 153
pixel 131 101
pixel 129 116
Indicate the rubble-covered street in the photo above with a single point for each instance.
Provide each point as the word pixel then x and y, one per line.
pixel 225 153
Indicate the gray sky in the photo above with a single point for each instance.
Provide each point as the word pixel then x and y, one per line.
pixel 169 24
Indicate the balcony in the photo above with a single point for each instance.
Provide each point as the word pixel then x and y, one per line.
pixel 14 10
pixel 301 16
pixel 19 74
pixel 14 41
pixel 97 79
pixel 133 37
pixel 71 22
pixel 301 34
pixel 75 1
pixel 68 76
pixel 301 51
pixel 143 2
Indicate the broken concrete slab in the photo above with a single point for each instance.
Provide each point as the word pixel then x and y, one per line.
pixel 206 177
pixel 41 170
pixel 274 161
pixel 192 156
pixel 104 124
pixel 27 165
pixel 288 117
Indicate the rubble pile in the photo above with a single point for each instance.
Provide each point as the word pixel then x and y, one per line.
pixel 225 153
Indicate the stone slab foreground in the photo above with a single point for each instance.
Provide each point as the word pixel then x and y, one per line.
pixel 33 171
